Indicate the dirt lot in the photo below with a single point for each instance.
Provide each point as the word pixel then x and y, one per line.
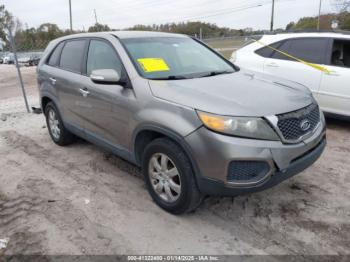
pixel 81 200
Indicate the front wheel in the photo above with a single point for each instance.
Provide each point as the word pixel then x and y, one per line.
pixel 59 134
pixel 169 177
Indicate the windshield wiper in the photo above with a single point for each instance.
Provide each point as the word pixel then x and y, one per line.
pixel 215 73
pixel 169 78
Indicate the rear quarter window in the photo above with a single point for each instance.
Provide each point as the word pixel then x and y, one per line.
pixel 270 52
pixel 55 55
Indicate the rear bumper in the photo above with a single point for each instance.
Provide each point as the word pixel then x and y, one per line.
pixel 214 187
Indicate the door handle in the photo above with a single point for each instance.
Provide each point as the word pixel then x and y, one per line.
pixel 272 64
pixel 84 91
pixel 53 80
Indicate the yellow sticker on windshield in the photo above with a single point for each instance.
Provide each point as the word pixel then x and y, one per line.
pixel 150 65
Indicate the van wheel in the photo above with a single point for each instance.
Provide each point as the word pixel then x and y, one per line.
pixel 169 177
pixel 59 134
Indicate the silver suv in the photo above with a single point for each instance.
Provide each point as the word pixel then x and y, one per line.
pixel 195 123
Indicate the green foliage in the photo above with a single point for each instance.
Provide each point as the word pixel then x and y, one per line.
pixel 307 23
pixel 6 22
pixel 190 28
pixel 99 28
pixel 346 24
pixel 290 26
pixel 325 22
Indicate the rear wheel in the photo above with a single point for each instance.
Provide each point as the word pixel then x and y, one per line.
pixel 59 134
pixel 169 177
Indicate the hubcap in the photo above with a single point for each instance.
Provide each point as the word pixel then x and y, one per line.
pixel 165 177
pixel 54 124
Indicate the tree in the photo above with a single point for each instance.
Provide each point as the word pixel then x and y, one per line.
pixel 307 23
pixel 326 22
pixel 345 22
pixel 7 22
pixel 290 26
pixel 99 28
pixel 341 5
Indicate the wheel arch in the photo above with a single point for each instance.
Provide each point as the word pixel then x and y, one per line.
pixel 47 98
pixel 147 133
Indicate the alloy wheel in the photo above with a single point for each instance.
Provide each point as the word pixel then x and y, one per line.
pixel 165 177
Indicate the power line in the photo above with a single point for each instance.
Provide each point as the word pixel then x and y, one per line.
pixel 222 12
pixel 214 13
pixel 226 11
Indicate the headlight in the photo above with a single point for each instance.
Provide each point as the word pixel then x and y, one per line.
pixel 251 127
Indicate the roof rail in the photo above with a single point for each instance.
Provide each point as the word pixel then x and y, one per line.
pixel 344 32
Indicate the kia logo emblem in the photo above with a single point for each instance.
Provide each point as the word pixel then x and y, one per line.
pixel 305 125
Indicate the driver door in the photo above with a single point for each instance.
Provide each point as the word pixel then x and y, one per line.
pixel 106 105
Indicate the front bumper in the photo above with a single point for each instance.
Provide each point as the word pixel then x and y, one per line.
pixel 214 152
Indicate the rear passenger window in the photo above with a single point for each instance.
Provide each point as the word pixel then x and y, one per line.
pixel 308 49
pixel 102 56
pixel 72 55
pixel 267 51
pixel 283 47
pixel 55 55
pixel 311 50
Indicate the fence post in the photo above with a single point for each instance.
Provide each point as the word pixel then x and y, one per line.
pixel 13 45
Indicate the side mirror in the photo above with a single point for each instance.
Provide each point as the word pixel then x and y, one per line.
pixel 105 76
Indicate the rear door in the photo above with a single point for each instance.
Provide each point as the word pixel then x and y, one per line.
pixel 68 81
pixel 334 95
pixel 312 50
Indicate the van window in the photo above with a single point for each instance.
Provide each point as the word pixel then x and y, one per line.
pixel 102 56
pixel 341 53
pixel 72 55
pixel 55 55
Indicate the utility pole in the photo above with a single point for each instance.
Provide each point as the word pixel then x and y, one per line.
pixel 95 16
pixel 319 16
pixel 70 16
pixel 200 33
pixel 14 50
pixel 272 15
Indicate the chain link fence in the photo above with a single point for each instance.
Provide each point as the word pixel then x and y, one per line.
pixel 226 45
pixel 23 49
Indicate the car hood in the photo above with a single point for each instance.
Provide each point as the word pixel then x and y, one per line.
pixel 243 93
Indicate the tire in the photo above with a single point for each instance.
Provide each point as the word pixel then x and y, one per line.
pixel 185 200
pixel 62 137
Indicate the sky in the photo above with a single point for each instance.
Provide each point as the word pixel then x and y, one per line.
pixel 120 14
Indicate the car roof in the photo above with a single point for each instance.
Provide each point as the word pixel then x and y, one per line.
pixel 125 34
pixel 142 34
pixel 282 36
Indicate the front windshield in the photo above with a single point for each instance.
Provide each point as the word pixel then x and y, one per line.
pixel 174 58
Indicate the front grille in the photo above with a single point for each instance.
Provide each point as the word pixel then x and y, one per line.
pixel 290 124
pixel 245 171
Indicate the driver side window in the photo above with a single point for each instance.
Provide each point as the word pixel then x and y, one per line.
pixel 102 56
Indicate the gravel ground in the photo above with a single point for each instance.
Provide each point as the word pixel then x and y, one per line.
pixel 81 200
